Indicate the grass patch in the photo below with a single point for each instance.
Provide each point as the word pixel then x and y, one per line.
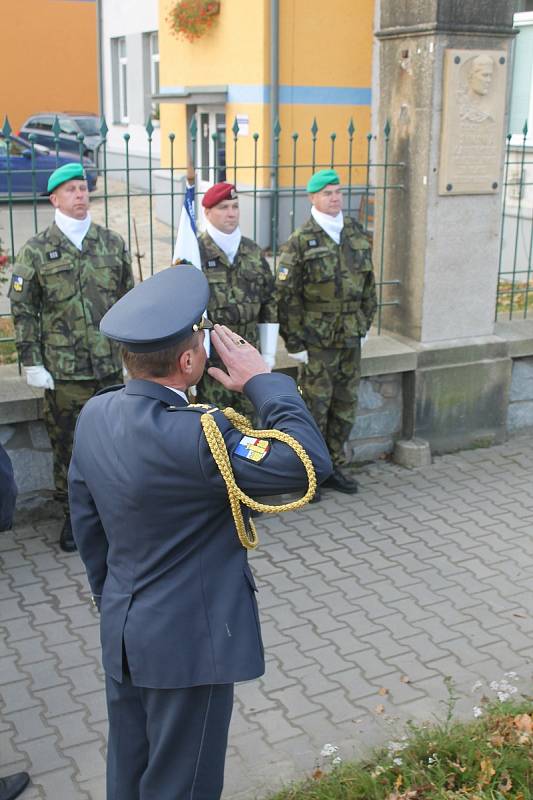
pixel 488 758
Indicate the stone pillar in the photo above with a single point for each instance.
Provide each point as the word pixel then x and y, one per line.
pixel 442 233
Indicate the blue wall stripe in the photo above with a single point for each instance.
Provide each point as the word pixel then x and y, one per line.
pixel 293 95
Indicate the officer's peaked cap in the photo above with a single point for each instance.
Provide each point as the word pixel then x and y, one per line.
pixel 159 312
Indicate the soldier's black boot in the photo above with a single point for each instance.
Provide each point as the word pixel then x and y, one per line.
pixel 342 483
pixel 12 785
pixel 66 542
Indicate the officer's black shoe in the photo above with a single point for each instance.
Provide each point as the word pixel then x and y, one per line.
pixel 66 542
pixel 12 785
pixel 340 482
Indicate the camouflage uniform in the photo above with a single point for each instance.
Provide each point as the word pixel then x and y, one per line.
pixel 58 296
pixel 242 294
pixel 327 300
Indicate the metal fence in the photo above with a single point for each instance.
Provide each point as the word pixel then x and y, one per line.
pixel 143 200
pixel 515 274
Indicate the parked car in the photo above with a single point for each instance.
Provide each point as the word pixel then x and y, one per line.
pixel 20 166
pixel 70 124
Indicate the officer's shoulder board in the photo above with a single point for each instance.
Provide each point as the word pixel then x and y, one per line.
pixel 202 408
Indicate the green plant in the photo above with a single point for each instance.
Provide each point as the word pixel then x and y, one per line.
pixel 192 18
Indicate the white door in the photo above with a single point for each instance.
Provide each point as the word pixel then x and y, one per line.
pixel 210 149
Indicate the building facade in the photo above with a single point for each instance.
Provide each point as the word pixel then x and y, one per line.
pixel 295 63
pixel 129 58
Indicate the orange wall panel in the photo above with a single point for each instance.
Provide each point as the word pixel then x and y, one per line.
pixel 49 58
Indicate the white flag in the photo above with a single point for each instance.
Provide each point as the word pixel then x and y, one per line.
pixel 186 246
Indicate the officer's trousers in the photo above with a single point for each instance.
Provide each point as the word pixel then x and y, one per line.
pixel 329 384
pixel 166 744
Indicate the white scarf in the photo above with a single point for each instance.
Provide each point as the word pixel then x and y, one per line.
pixel 74 229
pixel 228 242
pixel 331 225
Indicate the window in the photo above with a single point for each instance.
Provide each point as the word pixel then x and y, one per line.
pixel 122 58
pixel 522 86
pixel 154 71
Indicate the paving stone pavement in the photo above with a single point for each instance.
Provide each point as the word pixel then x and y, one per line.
pixel 367 603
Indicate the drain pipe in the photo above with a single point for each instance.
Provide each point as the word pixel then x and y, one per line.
pixel 274 117
pixel 100 56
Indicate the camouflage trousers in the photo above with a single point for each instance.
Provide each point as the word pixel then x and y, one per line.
pixel 329 384
pixel 211 391
pixel 61 408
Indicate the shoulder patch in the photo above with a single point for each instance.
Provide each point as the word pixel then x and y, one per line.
pixel 283 273
pixel 252 449
pixel 107 389
pixel 211 263
pixel 17 283
pixel 53 255
pixel 312 243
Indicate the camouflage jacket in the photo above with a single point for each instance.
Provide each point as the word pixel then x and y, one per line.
pixel 241 294
pixel 58 296
pixel 327 292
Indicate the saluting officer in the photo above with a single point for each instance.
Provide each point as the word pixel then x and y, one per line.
pixel 327 300
pixel 158 537
pixel 242 287
pixel 64 280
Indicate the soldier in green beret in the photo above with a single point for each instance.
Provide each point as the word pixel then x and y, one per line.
pixel 64 280
pixel 326 303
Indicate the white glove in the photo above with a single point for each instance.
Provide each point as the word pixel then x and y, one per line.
pixel 302 356
pixel 269 359
pixel 39 377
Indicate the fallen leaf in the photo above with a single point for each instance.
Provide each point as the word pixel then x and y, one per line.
pixel 405 679
pixel 380 709
pixel 524 723
pixel 497 740
pixel 487 771
pixel 522 616
pixel 317 774
pixel 383 692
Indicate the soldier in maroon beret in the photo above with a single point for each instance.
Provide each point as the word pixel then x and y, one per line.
pixel 242 288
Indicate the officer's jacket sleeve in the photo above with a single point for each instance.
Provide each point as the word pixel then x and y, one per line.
pixel 8 491
pixel 290 296
pixel 279 406
pixel 87 530
pixel 269 307
pixel 26 300
pixel 369 300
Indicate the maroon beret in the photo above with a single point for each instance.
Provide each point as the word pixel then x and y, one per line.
pixel 217 193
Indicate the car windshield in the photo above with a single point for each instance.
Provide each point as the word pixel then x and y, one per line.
pixel 89 125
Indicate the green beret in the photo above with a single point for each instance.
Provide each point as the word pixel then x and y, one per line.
pixel 67 172
pixel 322 178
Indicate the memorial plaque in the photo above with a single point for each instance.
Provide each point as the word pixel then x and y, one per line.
pixel 472 136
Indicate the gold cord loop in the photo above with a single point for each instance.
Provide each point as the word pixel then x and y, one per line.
pixel 217 445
